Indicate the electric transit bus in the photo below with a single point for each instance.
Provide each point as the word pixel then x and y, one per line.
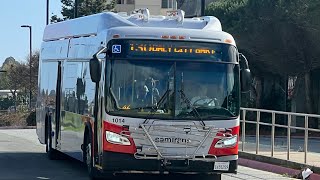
pixel 141 93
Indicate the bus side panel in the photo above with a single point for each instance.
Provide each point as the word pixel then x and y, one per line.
pixel 77 107
pixel 40 112
pixel 77 98
pixel 51 53
pixel 47 98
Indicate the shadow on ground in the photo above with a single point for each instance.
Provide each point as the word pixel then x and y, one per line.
pixel 33 166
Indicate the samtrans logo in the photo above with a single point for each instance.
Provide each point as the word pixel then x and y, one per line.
pixel 172 140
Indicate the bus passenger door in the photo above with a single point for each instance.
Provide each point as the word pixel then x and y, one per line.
pixel 58 107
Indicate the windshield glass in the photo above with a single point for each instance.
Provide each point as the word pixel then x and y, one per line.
pixel 136 88
pixel 173 89
pixel 208 90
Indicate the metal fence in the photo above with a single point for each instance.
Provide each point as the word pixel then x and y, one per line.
pixel 287 119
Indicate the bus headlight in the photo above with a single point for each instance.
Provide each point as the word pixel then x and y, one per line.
pixel 228 142
pixel 115 138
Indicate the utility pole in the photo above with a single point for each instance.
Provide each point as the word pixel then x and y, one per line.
pixel 75 8
pixel 30 49
pixel 203 7
pixel 47 12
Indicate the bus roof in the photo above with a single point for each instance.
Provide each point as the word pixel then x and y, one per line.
pixel 93 24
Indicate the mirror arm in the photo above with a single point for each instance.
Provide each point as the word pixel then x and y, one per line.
pixel 102 50
pixel 245 62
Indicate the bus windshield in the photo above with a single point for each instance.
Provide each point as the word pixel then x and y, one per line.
pixel 172 89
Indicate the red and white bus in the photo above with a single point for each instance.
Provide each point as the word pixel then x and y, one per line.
pixel 141 94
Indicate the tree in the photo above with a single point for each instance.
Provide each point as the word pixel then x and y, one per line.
pixel 16 75
pixel 5 66
pixel 279 36
pixel 85 8
pixel 8 60
pixel 192 8
pixel 34 72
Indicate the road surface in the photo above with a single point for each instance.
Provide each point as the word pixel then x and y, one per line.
pixel 23 158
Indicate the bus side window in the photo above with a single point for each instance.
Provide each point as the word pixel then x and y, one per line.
pixel 79 89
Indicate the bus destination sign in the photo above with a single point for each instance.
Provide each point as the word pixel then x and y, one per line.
pixel 155 49
pixel 161 48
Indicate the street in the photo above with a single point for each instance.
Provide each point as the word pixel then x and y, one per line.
pixel 23 158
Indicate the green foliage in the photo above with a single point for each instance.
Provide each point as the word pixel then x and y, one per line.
pixel 5 103
pixel 279 37
pixel 85 8
pixel 230 12
pixel 275 34
pixel 31 119
pixel 17 75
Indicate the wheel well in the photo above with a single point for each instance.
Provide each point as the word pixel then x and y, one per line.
pixel 86 134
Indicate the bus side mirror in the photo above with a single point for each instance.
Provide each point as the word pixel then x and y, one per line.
pixel 245 74
pixel 95 66
pixel 95 69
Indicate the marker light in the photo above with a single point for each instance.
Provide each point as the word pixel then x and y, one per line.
pixel 173 37
pixel 114 138
pixel 165 37
pixel 116 36
pixel 228 41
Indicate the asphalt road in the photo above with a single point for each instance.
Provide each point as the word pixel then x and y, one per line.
pixel 23 158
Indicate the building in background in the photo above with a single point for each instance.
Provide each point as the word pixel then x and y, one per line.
pixel 7 93
pixel 156 7
pixel 160 7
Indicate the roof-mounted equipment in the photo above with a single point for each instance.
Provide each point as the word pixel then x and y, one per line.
pixel 143 14
pixel 176 14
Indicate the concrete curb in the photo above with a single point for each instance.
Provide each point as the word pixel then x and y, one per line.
pixel 267 167
pixel 18 127
pixel 275 165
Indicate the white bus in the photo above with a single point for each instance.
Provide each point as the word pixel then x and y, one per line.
pixel 140 93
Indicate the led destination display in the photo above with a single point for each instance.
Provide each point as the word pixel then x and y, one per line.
pixel 151 49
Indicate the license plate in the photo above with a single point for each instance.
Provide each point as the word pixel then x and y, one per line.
pixel 221 166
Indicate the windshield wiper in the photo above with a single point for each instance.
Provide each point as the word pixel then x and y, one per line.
pixel 114 98
pixel 189 105
pixel 154 109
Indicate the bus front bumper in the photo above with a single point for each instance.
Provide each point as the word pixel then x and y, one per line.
pixel 120 162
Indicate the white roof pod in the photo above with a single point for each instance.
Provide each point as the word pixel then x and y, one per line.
pixel 143 14
pixel 84 26
pixel 93 24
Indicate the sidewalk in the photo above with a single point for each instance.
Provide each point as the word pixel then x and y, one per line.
pixel 278 163
pixel 313 159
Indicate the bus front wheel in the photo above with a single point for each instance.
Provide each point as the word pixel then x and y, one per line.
pixel 88 157
pixel 197 176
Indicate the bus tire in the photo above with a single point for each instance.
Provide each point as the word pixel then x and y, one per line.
pixel 88 158
pixel 52 153
pixel 209 177
pixel 196 176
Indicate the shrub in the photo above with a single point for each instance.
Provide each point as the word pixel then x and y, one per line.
pixel 31 119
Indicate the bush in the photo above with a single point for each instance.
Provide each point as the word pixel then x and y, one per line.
pixel 13 119
pixel 31 119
